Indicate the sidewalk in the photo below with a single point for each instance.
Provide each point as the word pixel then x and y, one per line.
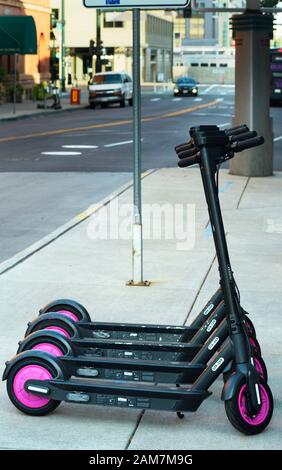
pixel 29 108
pixel 95 273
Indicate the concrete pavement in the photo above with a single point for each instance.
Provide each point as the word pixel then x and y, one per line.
pixel 95 272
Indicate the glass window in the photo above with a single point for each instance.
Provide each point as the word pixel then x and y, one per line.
pixel 105 79
pixel 197 28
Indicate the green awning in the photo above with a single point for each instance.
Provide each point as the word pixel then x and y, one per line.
pixel 17 35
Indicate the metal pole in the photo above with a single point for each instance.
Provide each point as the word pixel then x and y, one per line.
pixel 63 22
pixel 15 84
pixel 98 67
pixel 137 242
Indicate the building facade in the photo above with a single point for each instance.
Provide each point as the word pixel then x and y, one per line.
pixel 116 35
pixel 203 45
pixel 32 69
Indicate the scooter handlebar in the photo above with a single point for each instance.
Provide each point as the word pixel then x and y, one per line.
pixel 183 147
pixel 188 161
pixel 188 153
pixel 247 144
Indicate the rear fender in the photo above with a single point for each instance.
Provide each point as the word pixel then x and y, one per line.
pixel 52 361
pixel 45 335
pixel 65 322
pixel 64 304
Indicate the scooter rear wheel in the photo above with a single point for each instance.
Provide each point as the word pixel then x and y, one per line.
pixel 69 308
pixel 26 402
pixel 238 409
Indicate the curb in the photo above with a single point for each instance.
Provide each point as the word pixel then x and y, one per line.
pixel 41 113
pixel 60 231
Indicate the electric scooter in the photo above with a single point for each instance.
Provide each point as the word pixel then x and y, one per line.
pixel 38 381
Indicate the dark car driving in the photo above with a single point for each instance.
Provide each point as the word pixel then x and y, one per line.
pixel 185 86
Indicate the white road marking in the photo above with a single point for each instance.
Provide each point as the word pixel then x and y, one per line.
pixel 80 146
pixel 65 154
pixel 198 99
pixel 208 89
pixel 274 226
pixel 115 144
pixel 277 138
pixel 177 99
pixel 155 99
pixel 224 124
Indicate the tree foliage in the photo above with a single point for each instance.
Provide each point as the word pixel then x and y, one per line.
pixel 269 3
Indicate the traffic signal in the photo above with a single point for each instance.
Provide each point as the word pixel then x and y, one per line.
pixel 187 12
pixel 92 48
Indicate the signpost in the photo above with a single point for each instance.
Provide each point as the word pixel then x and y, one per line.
pixel 139 4
pixel 136 5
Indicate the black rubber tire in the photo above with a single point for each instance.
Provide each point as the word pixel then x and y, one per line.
pixel 258 358
pixel 264 375
pixel 46 409
pixel 130 101
pixel 29 344
pixel 234 415
pixel 255 345
pixel 104 106
pixel 251 327
pixel 122 102
pixel 55 323
pixel 81 315
pixel 92 106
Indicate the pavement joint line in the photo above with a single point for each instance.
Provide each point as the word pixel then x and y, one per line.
pixel 23 255
pixel 199 290
pixel 111 124
pixel 243 192
pixel 131 437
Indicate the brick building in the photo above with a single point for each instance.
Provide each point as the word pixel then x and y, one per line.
pixel 32 68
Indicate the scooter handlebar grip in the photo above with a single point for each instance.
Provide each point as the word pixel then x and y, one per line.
pixel 247 144
pixel 188 153
pixel 188 161
pixel 244 136
pixel 234 129
pixel 239 130
pixel 182 147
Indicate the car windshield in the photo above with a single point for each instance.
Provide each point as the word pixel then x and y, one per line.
pixel 185 81
pixel 105 79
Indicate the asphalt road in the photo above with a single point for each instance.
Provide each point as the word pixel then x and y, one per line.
pixel 54 166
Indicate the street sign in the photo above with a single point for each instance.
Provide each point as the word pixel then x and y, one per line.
pixel 145 4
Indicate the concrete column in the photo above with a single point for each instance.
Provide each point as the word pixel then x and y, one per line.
pixel 148 64
pixel 252 32
pixel 159 62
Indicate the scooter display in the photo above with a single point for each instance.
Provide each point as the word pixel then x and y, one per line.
pixel 37 381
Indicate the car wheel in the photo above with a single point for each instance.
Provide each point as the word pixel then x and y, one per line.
pixel 122 102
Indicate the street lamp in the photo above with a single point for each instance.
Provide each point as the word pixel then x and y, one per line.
pixel 63 22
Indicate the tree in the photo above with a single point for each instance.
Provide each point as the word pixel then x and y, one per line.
pixel 269 3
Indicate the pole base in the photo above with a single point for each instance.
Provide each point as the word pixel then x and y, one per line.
pixel 138 284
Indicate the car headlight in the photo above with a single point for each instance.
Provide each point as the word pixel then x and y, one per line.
pixel 194 90
pixel 176 90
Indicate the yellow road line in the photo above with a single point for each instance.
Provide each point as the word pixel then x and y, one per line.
pixel 109 124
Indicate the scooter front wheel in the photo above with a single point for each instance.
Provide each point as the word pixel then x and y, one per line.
pixel 239 414
pixel 26 402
